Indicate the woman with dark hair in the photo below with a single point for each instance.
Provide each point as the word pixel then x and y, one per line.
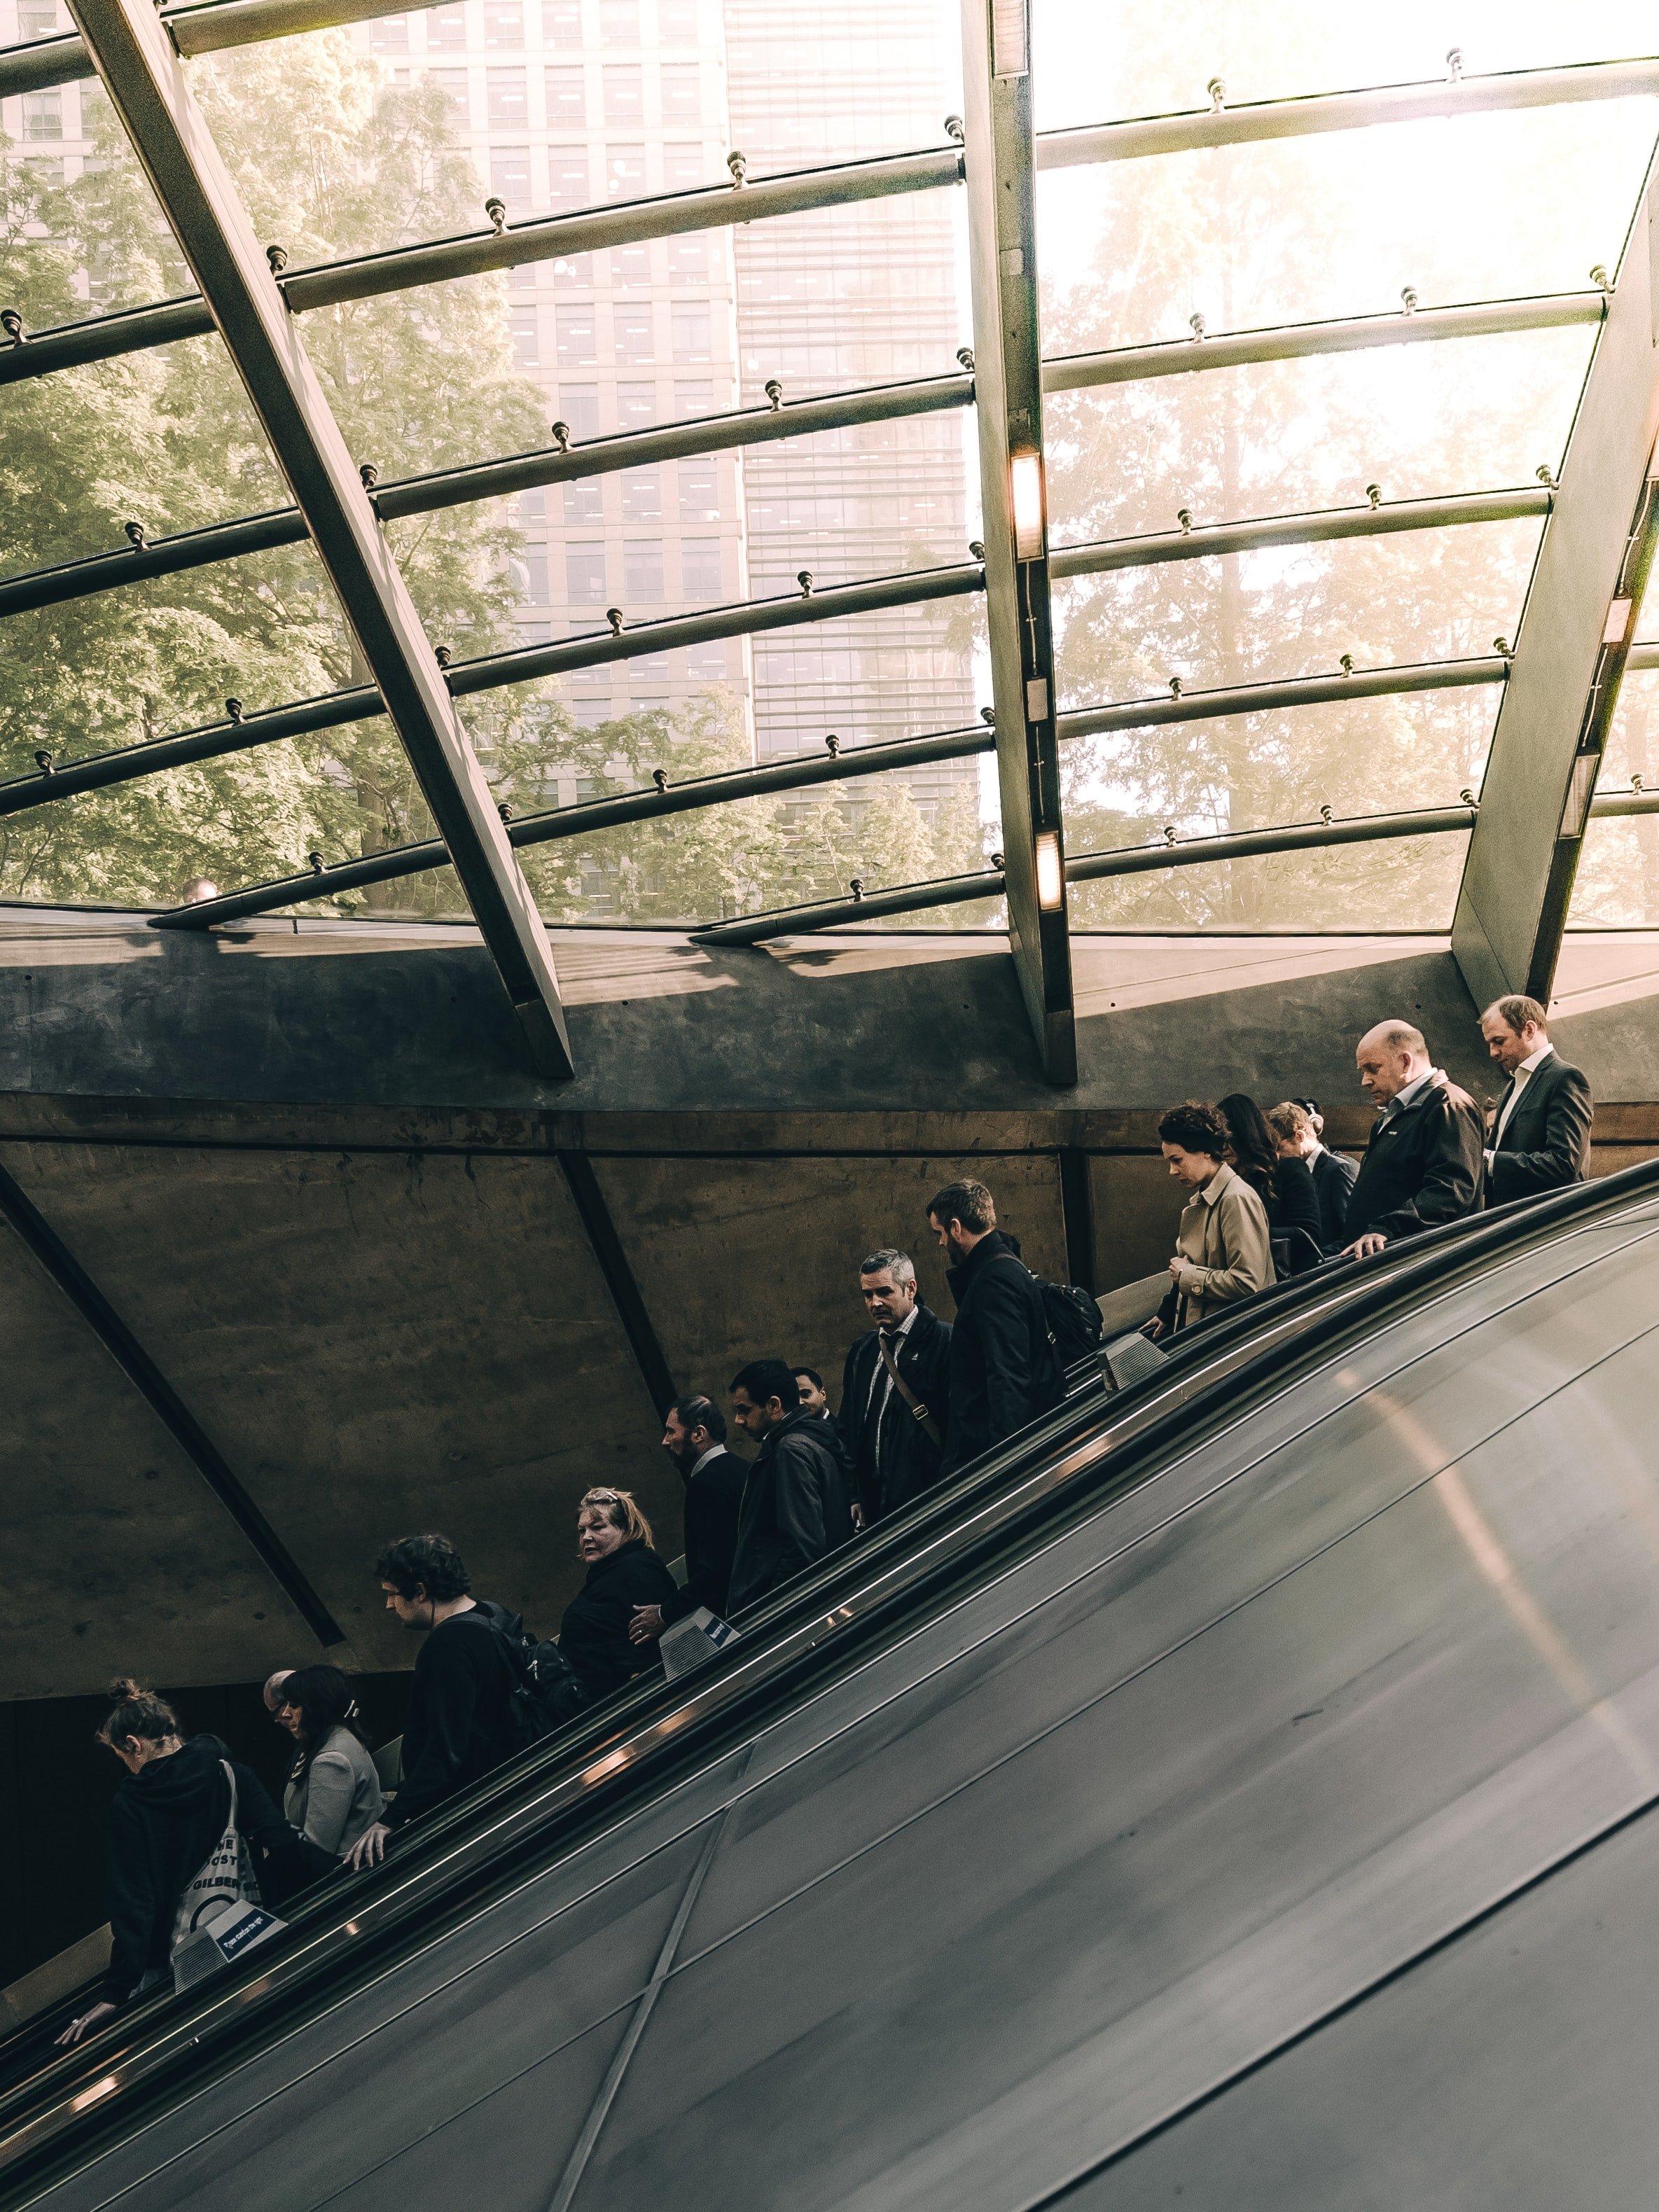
pixel 333 1794
pixel 171 1859
pixel 614 1538
pixel 1222 1252
pixel 1284 1186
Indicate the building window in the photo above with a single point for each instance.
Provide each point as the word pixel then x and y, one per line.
pixel 681 168
pixel 48 169
pixel 509 174
pixel 561 23
pixel 445 28
pixel 682 93
pixel 36 18
pixel 693 398
pixel 576 340
pixel 700 567
pixel 641 495
pixel 692 336
pixel 574 272
pixel 630 268
pixel 567 99
pixel 504 24
pixel 688 261
pixel 636 405
pixel 529 571
pixel 706 664
pixel 584 501
pixel 526 350
pixel 633 333
pixel 566 176
pixel 389 34
pixel 529 507
pixel 624 95
pixel 624 172
pixel 584 575
pixel 676 21
pixel 452 83
pixel 579 406
pixel 42 117
pixel 506 98
pixel 642 573
pixel 619 23
pixel 699 492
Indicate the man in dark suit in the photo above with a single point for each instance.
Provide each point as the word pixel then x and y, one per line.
pixel 1005 1370
pixel 1424 1163
pixel 1541 1131
pixel 694 1437
pixel 894 1393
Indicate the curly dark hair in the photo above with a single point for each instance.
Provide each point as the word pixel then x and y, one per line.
pixel 1197 1127
pixel 428 1562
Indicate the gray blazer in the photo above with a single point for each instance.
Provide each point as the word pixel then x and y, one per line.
pixel 338 1796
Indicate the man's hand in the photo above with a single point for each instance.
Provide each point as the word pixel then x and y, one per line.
pixel 87 2021
pixel 858 1518
pixel 1364 1248
pixel 647 1623
pixel 1177 1264
pixel 370 1847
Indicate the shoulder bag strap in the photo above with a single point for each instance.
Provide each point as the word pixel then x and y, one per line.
pixel 936 1435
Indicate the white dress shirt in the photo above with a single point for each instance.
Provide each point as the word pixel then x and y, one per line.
pixel 1518 1082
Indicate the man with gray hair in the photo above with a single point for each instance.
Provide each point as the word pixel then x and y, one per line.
pixel 893 1396
pixel 1424 1163
pixel 1541 1131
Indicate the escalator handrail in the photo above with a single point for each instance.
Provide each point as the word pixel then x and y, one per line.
pixel 1211 1373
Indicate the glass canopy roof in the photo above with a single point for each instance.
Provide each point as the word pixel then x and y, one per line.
pixel 1312 372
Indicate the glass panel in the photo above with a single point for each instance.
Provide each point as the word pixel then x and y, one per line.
pixel 1259 771
pixel 1287 231
pixel 1409 884
pixel 1289 437
pixel 1427 595
pixel 1085 69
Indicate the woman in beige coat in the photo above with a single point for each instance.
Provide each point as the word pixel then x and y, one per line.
pixel 1221 1247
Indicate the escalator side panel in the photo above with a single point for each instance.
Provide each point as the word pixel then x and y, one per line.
pixel 1096 1863
pixel 1512 2072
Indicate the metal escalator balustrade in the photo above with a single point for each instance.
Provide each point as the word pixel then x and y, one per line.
pixel 1064 1471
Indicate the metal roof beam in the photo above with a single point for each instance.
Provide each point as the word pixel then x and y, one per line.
pixel 1551 311
pixel 1195 129
pixel 1570 651
pixel 199 30
pixel 1002 250
pixel 490 671
pixel 799 772
pixel 1089 867
pixel 145 80
pixel 519 472
pixel 478 253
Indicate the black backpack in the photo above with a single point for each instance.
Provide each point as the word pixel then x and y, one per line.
pixel 1075 1328
pixel 545 1692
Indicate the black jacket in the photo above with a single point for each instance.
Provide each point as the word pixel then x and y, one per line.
pixel 796 1508
pixel 1293 1216
pixel 1422 1167
pixel 163 1822
pixel 1334 1175
pixel 593 1638
pixel 461 1722
pixel 1003 1371
pixel 714 1499
pixel 897 1460
pixel 1546 1145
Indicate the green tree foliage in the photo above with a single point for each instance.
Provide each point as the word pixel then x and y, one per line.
pixel 329 162
pixel 1256 234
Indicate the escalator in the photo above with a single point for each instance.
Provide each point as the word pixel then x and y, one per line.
pixel 1086 1837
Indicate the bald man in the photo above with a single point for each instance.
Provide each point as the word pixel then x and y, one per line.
pixel 1427 1153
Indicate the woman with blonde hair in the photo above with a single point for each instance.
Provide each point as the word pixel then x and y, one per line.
pixel 614 1539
